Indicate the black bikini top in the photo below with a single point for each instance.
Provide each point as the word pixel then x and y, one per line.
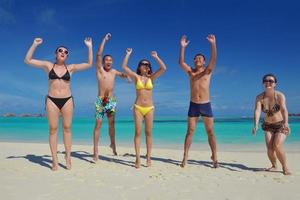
pixel 52 75
pixel 270 112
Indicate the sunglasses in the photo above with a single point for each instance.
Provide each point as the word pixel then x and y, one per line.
pixel 268 81
pixel 63 51
pixel 145 64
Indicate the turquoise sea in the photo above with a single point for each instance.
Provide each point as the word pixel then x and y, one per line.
pixel 167 131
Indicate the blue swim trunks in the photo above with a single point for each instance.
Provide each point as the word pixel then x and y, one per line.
pixel 197 109
pixel 105 105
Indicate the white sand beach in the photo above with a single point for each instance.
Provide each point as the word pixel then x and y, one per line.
pixel 26 174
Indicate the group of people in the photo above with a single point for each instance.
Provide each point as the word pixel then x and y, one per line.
pixel 59 101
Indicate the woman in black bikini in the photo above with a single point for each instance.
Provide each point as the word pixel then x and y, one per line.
pixel 275 122
pixel 59 99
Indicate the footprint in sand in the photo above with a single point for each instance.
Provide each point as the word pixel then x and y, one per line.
pixel 278 180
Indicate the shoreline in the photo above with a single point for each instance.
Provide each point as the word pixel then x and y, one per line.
pixel 254 147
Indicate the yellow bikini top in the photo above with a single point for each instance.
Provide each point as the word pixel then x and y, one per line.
pixel 139 85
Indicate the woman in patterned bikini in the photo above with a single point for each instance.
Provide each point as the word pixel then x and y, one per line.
pixel 275 123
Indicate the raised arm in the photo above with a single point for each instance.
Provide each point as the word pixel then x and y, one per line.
pixel 99 66
pixel 183 45
pixel 162 66
pixel 126 69
pixel 284 113
pixel 34 62
pixel 123 75
pixel 213 49
pixel 257 112
pixel 83 66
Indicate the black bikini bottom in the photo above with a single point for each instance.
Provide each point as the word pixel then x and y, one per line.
pixel 59 102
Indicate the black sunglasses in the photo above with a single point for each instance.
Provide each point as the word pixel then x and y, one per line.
pixel 63 51
pixel 145 64
pixel 268 81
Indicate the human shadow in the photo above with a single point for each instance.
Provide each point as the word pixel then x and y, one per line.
pixel 165 160
pixel 87 157
pixel 230 166
pixel 40 160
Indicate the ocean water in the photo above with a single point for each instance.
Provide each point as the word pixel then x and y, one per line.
pixel 167 131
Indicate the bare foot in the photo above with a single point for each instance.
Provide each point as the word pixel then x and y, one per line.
pixel 148 162
pixel 286 171
pixel 215 162
pixel 138 163
pixel 54 166
pixel 183 163
pixel 95 157
pixel 68 163
pixel 113 147
pixel 271 169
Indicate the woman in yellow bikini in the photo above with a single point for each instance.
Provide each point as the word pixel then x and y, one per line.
pixel 143 107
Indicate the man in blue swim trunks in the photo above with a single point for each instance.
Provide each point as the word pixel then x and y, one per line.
pixel 199 91
pixel 106 102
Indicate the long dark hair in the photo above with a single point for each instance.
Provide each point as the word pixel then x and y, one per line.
pixel 138 70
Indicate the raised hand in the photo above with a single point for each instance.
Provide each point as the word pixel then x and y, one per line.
pixel 154 54
pixel 88 42
pixel 107 36
pixel 37 41
pixel 128 51
pixel 183 41
pixel 211 38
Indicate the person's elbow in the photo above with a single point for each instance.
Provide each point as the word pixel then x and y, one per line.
pixel 27 61
pixel 89 64
pixel 124 67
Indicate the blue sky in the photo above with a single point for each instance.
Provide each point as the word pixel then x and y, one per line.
pixel 253 38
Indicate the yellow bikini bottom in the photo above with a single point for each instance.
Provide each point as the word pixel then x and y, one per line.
pixel 143 110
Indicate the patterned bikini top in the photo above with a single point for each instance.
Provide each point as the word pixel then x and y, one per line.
pixel 270 111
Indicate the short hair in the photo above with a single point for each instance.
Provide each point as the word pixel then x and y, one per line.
pixel 138 70
pixel 199 54
pixel 107 55
pixel 270 74
pixel 60 47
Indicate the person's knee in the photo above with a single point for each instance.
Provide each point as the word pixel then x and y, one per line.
pixel 210 132
pixel 98 125
pixel 148 132
pixel 190 131
pixel 67 128
pixel 111 123
pixel 53 130
pixel 277 146
pixel 138 132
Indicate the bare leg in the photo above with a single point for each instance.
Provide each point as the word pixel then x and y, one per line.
pixel 209 126
pixel 270 149
pixel 148 130
pixel 67 115
pixel 278 143
pixel 53 116
pixel 138 120
pixel 192 122
pixel 96 138
pixel 111 124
